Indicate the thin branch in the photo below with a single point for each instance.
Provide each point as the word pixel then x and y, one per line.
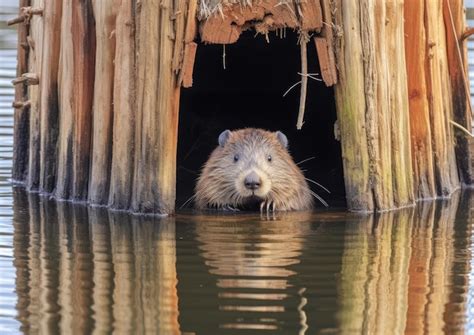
pixel 304 78
pixel 457 125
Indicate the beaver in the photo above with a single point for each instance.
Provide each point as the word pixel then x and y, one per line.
pixel 252 169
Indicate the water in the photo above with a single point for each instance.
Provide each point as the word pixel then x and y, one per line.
pixel 73 269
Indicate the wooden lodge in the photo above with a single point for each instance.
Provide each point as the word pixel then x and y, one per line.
pixel 101 82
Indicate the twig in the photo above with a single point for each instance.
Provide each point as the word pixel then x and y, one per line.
pixel 468 32
pixel 304 77
pixel 457 125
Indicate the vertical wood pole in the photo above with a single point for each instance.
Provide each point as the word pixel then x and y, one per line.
pixel 66 101
pixel 124 108
pixel 83 33
pixel 398 97
pixel 439 100
pixel 49 124
pixel 415 54
pixel 35 41
pixel 21 116
pixel 384 177
pixel 454 21
pixel 105 12
pixel 374 79
pixel 350 102
pixel 157 114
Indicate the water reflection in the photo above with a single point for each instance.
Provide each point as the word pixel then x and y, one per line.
pixel 86 270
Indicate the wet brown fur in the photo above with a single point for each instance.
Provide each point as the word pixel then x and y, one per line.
pixel 221 184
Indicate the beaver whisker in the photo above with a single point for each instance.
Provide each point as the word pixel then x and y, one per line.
pixel 187 201
pixel 318 184
pixel 305 160
pixel 319 198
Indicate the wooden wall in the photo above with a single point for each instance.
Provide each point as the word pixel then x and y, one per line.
pixel 98 87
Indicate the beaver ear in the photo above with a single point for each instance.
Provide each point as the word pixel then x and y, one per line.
pixel 282 138
pixel 223 137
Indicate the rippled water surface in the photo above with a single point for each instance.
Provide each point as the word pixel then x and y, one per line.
pixel 71 269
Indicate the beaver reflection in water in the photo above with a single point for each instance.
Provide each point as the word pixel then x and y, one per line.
pixel 252 169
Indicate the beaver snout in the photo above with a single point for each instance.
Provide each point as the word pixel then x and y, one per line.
pixel 252 181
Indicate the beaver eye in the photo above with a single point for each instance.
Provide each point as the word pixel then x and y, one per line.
pixel 269 158
pixel 236 158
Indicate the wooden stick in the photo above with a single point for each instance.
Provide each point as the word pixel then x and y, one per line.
pixel 35 40
pixel 16 20
pixel 457 125
pixel 21 104
pixel 468 32
pixel 304 78
pixel 27 78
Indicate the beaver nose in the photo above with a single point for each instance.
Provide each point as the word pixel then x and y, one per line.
pixel 252 181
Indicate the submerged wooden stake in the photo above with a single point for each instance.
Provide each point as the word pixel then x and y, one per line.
pixel 49 94
pixel 83 37
pixel 105 13
pixel 440 100
pixel 157 114
pixel 454 21
pixel 35 40
pixel 122 166
pixel 21 116
pixel 420 127
pixel 67 98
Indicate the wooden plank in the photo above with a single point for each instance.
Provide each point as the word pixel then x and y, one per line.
pixel 420 128
pixel 455 24
pixel 83 33
pixel 310 15
pixel 121 175
pixel 35 41
pixel 49 123
pixel 186 74
pixel 350 103
pixel 325 46
pixel 440 101
pixel 154 188
pixel 21 116
pixel 105 13
pixel 66 101
pixel 326 62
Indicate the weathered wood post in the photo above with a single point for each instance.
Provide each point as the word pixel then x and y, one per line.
pixel 49 111
pixel 21 104
pixel 105 13
pixel 121 175
pixel 157 111
pixel 35 41
pixel 415 54
pixel 456 48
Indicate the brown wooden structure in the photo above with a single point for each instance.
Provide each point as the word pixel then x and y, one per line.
pixel 98 91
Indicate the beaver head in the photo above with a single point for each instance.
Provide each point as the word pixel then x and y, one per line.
pixel 250 169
